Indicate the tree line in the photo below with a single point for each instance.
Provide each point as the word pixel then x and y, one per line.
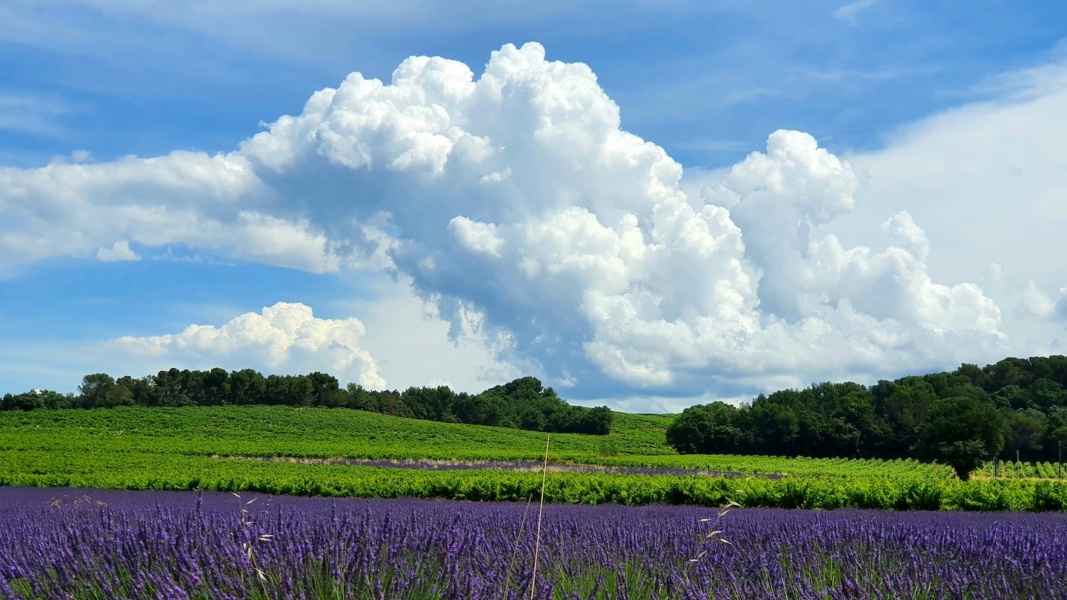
pixel 523 403
pixel 1015 408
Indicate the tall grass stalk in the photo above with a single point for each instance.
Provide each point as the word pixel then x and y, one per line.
pixel 540 512
pixel 515 548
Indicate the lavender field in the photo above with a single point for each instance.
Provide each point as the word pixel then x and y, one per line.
pixel 69 543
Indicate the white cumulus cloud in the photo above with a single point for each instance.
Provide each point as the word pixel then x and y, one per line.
pixel 120 250
pixel 286 337
pixel 518 206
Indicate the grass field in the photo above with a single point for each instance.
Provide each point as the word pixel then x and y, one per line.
pixel 215 447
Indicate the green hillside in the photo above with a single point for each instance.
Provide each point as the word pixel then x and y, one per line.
pixel 311 432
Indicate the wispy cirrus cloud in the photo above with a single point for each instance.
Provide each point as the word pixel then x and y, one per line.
pixel 850 12
pixel 30 114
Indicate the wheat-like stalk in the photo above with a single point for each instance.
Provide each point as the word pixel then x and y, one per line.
pixel 250 547
pixel 83 502
pixel 715 535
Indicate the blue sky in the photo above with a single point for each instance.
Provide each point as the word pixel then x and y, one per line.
pixel 904 221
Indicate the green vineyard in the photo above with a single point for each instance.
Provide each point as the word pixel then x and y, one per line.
pixel 283 450
pixel 1022 470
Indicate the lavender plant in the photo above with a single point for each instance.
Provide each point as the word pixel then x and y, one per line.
pixel 170 545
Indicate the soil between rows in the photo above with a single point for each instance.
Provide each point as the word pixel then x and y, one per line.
pixel 496 465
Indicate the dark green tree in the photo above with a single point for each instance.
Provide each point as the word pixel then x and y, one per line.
pixel 1045 394
pixel 326 390
pixel 143 391
pixel 901 406
pixel 1025 433
pixel 171 388
pixel 27 401
pixel 960 432
pixel 595 421
pixel 99 390
pixel 1009 371
pixel 215 387
pixel 776 427
pixel 706 429
pixel 973 373
pixel 247 386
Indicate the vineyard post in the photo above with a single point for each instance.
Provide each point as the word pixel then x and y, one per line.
pixel 1059 459
pixel 994 467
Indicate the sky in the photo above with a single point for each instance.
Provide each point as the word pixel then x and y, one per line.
pixel 647 205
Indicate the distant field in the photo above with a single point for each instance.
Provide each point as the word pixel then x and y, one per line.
pixel 278 431
pixel 311 432
pixel 211 448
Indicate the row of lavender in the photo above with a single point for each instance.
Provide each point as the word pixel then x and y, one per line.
pixel 108 544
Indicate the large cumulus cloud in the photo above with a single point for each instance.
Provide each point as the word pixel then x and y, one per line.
pixel 518 205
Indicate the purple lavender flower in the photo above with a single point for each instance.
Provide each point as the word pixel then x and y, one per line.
pixel 175 545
